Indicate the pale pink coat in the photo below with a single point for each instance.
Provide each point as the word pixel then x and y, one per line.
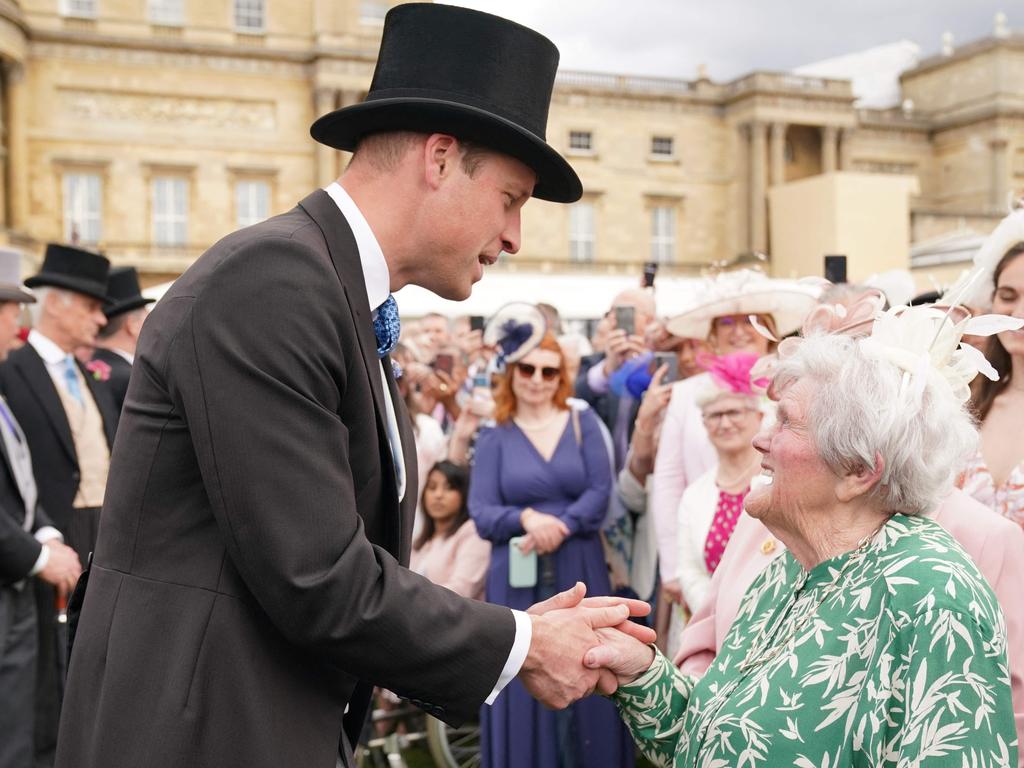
pixel 684 454
pixel 994 543
pixel 458 562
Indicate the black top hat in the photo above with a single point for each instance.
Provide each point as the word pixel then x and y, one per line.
pixel 123 292
pixel 480 77
pixel 65 266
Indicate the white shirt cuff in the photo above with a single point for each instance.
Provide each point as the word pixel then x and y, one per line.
pixel 41 561
pixel 516 657
pixel 48 532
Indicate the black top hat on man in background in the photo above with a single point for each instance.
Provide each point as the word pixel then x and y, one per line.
pixel 74 269
pixel 481 78
pixel 123 292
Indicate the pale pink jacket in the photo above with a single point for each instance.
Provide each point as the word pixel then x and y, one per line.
pixel 458 562
pixel 684 454
pixel 994 543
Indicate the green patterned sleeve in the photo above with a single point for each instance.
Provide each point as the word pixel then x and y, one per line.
pixel 956 695
pixel 653 705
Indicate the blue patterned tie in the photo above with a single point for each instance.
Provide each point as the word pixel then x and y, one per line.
pixel 387 326
pixel 71 379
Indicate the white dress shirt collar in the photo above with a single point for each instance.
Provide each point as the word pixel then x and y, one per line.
pixel 47 349
pixel 375 269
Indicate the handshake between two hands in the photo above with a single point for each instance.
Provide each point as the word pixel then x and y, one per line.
pixel 581 644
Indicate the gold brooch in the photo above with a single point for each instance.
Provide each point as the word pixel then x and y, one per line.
pixel 768 546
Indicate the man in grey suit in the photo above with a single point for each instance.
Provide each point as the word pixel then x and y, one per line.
pixel 248 588
pixel 30 547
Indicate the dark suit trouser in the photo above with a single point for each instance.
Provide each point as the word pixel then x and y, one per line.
pixel 18 644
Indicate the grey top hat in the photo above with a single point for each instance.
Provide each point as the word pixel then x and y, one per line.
pixel 11 288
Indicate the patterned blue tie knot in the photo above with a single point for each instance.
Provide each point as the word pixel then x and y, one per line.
pixel 387 327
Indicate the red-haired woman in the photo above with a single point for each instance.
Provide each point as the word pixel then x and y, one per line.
pixel 543 473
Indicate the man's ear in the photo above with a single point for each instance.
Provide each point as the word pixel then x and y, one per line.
pixel 860 480
pixel 440 154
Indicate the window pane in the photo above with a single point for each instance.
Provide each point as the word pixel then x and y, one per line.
pixel 170 210
pixel 252 202
pixel 661 145
pixel 580 140
pixel 168 12
pixel 249 14
pixel 581 232
pixel 663 234
pixel 85 8
pixel 82 208
pixel 372 11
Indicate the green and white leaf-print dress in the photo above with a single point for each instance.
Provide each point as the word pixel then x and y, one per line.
pixel 893 655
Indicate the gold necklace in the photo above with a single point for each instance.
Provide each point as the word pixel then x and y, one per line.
pixel 539 426
pixel 768 653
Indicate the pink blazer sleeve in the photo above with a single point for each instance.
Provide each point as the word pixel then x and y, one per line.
pixel 469 560
pixel 684 454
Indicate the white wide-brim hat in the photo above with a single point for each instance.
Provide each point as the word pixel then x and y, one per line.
pixel 747 292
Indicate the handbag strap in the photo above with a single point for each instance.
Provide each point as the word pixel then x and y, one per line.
pixel 576 430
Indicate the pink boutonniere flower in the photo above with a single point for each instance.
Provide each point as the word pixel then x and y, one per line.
pixel 99 370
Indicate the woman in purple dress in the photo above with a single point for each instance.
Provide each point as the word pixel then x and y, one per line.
pixel 543 474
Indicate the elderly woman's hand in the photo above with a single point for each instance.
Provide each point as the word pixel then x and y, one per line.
pixel 621 654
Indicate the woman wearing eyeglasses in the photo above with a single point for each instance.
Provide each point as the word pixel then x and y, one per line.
pixel 722 316
pixel 542 476
pixel 731 411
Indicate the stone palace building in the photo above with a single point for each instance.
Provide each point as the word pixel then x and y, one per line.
pixel 150 128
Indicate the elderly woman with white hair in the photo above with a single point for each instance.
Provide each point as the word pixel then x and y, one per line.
pixel 873 640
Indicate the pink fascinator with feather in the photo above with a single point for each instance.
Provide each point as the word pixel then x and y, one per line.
pixel 731 374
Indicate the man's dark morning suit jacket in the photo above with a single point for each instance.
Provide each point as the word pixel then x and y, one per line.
pixel 33 398
pixel 19 549
pixel 120 373
pixel 246 590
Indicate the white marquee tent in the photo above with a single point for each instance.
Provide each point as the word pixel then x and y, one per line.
pixel 576 296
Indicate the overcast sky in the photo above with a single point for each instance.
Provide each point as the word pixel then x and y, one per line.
pixel 672 38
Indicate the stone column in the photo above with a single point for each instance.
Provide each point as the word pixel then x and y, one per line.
pixel 758 189
pixel 1000 175
pixel 326 167
pixel 778 154
pixel 741 240
pixel 845 161
pixel 17 146
pixel 829 149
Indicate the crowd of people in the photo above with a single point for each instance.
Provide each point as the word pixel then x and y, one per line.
pixel 628 467
pixel 775 523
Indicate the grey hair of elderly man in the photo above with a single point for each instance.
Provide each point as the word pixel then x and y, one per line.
pixel 858 414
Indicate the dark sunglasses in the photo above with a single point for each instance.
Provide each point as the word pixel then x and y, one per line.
pixel 527 370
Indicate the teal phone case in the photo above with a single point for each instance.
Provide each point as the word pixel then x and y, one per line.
pixel 522 569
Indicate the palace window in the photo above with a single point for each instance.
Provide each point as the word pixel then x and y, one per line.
pixel 662 146
pixel 581 141
pixel 252 202
pixel 581 232
pixel 663 234
pixel 249 15
pixel 83 208
pixel 85 9
pixel 170 210
pixel 170 13
pixel 372 12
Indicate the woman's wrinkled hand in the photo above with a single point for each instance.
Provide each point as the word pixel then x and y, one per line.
pixel 621 654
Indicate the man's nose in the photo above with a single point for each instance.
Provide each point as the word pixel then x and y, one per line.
pixel 511 238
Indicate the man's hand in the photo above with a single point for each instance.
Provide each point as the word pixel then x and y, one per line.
pixel 62 568
pixel 545 532
pixel 567 677
pixel 619 349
